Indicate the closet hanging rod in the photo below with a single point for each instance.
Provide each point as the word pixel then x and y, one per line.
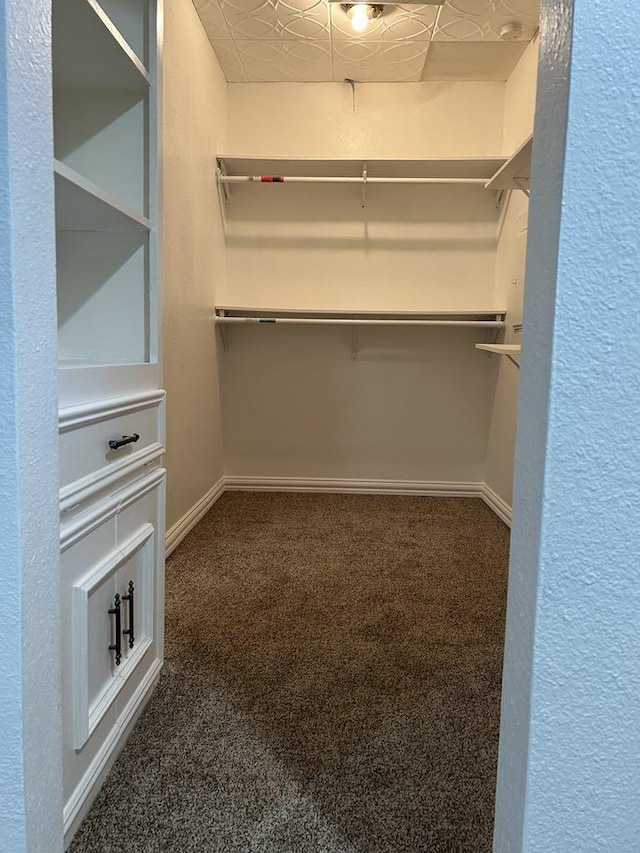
pixel 482 324
pixel 321 179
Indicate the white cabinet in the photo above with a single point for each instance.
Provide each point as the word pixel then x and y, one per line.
pixel 111 419
pixel 112 570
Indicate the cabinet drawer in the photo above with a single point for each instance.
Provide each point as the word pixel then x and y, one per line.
pixel 87 462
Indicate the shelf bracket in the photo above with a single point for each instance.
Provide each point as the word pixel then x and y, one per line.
pixel 521 186
pixel 355 341
pixel 226 191
pixel 225 333
pixel 363 196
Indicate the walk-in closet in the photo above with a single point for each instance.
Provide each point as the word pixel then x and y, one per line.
pixel 291 246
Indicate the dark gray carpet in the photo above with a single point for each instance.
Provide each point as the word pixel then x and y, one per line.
pixel 332 683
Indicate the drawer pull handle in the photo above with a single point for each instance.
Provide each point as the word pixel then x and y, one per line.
pixel 129 630
pixel 116 443
pixel 117 646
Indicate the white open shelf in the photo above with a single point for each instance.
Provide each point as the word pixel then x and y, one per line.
pixel 486 318
pixel 501 349
pixel 83 206
pixel 86 38
pixel 515 174
pixel 507 350
pixel 455 170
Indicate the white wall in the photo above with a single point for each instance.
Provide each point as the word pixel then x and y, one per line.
pixel 195 112
pixel 415 405
pixel 390 119
pixel 509 279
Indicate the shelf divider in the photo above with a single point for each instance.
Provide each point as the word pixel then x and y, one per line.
pixel 83 206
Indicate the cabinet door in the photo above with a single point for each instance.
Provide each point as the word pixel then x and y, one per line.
pixel 100 615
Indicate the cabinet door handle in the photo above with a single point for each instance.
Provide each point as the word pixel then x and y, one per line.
pixel 117 646
pixel 129 630
pixel 116 443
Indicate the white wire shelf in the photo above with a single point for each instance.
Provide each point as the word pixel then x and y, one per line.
pixel 249 169
pixel 491 318
pixel 228 316
pixel 465 171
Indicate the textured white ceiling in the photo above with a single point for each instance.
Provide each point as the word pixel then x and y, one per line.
pixel 312 40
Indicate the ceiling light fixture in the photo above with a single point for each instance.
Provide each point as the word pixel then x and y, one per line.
pixel 361 14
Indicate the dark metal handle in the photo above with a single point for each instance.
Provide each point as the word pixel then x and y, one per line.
pixel 117 646
pixel 129 630
pixel 115 443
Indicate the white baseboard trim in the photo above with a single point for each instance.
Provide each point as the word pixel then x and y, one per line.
pixel 325 485
pixel 497 504
pixel 189 520
pixel 366 487
pixel 80 801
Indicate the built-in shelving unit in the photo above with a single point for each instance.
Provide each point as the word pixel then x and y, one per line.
pixel 515 173
pixel 104 146
pixel 111 417
pixel 508 350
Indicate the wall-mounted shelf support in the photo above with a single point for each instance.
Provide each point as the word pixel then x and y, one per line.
pixel 507 350
pixel 519 182
pixel 355 339
pixel 221 172
pixel 363 197
pixel 516 172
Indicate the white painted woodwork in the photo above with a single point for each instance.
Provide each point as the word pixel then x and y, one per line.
pixel 131 18
pixel 112 502
pixel 103 313
pixel 85 432
pixel 100 134
pixel 83 206
pixel 98 679
pixel 117 540
pixel 84 35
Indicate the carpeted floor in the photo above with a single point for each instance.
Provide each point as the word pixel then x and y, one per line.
pixel 332 683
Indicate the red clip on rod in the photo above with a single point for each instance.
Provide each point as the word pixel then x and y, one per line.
pixel 272 179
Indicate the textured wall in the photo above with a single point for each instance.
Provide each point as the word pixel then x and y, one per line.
pixel 30 759
pixel 569 764
pixel 193 255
